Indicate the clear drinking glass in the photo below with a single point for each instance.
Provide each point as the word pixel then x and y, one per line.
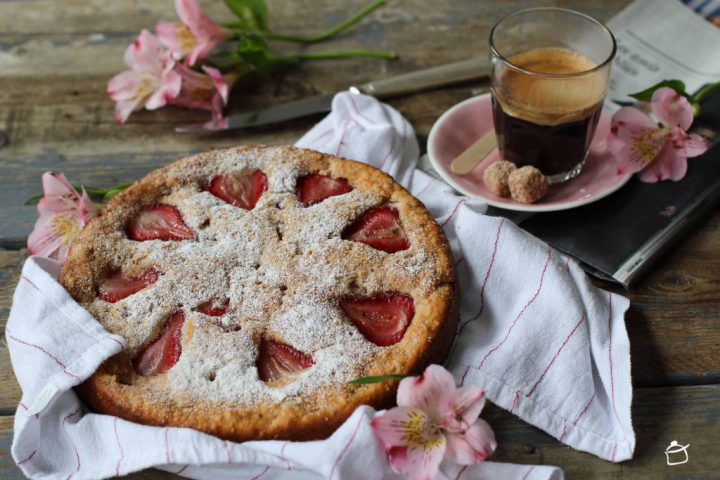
pixel 550 71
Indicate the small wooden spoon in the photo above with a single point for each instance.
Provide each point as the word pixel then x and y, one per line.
pixel 476 153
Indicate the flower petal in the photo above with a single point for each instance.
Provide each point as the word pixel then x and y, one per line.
pixel 86 208
pixel 58 195
pixel 124 108
pixel 667 165
pixel 145 54
pixel 694 145
pixel 468 404
pixel 207 33
pixel 189 12
pixel 473 446
pixel 390 427
pixel 671 108
pixel 200 51
pixel 194 17
pixel 640 150
pixel 218 81
pixel 433 392
pixel 56 184
pixel 124 85
pixel 175 36
pixel 43 240
pixel 418 463
pixel 629 121
pixel 169 89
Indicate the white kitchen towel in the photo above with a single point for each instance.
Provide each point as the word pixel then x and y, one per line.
pixel 535 334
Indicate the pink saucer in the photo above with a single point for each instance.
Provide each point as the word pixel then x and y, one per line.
pixel 463 124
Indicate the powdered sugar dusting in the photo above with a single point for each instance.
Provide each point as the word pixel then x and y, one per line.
pixel 283 267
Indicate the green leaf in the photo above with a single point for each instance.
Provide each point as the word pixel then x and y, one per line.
pixel 705 90
pixel 646 95
pixel 381 378
pixel 110 193
pixel 33 200
pixel 252 14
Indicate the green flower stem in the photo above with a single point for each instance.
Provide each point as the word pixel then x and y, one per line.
pixel 339 28
pixel 333 54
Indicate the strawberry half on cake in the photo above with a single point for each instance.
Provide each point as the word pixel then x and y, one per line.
pixel 253 284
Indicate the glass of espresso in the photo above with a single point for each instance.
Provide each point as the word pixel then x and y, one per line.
pixel 550 72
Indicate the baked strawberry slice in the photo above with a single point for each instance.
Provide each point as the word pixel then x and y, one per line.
pixel 159 222
pixel 382 318
pixel 214 308
pixel 242 191
pixel 275 360
pixel 379 228
pixel 314 188
pixel 118 285
pixel 164 352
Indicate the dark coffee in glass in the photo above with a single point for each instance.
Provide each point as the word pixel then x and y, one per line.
pixel 550 73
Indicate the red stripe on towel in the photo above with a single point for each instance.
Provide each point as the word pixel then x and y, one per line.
pixel 31 283
pixel 168 458
pixel 27 459
pixel 462 380
pixel 557 354
pixel 462 470
pixel 227 451
pixel 454 211
pixel 530 302
pixel 357 112
pixel 515 400
pixel 562 435
pixel 53 357
pixel 77 455
pixel 122 347
pixel 282 455
pixel 261 473
pixel 427 185
pixel 584 411
pixel 122 454
pixel 345 449
pixel 487 275
pixel 527 474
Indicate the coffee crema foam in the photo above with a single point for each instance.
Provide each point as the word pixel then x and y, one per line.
pixel 548 100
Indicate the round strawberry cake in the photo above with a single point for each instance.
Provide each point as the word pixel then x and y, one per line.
pixel 253 284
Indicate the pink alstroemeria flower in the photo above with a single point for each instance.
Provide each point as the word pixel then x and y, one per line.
pixel 151 81
pixel 206 91
pixel 657 152
pixel 193 39
pixel 63 213
pixel 433 420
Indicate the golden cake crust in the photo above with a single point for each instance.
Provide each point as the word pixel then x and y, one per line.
pixel 425 271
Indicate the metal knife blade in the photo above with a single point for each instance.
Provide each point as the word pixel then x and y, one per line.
pixel 388 87
pixel 279 113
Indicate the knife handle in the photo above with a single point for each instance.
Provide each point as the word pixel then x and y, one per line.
pixel 427 79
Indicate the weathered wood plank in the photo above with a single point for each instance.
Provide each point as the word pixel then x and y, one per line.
pixel 660 415
pixel 18 17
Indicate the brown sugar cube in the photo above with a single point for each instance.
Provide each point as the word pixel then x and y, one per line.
pixel 496 177
pixel 527 184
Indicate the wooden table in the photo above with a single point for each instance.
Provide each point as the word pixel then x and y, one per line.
pixel 56 57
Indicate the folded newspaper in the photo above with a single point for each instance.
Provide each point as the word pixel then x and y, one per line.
pixel 618 238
